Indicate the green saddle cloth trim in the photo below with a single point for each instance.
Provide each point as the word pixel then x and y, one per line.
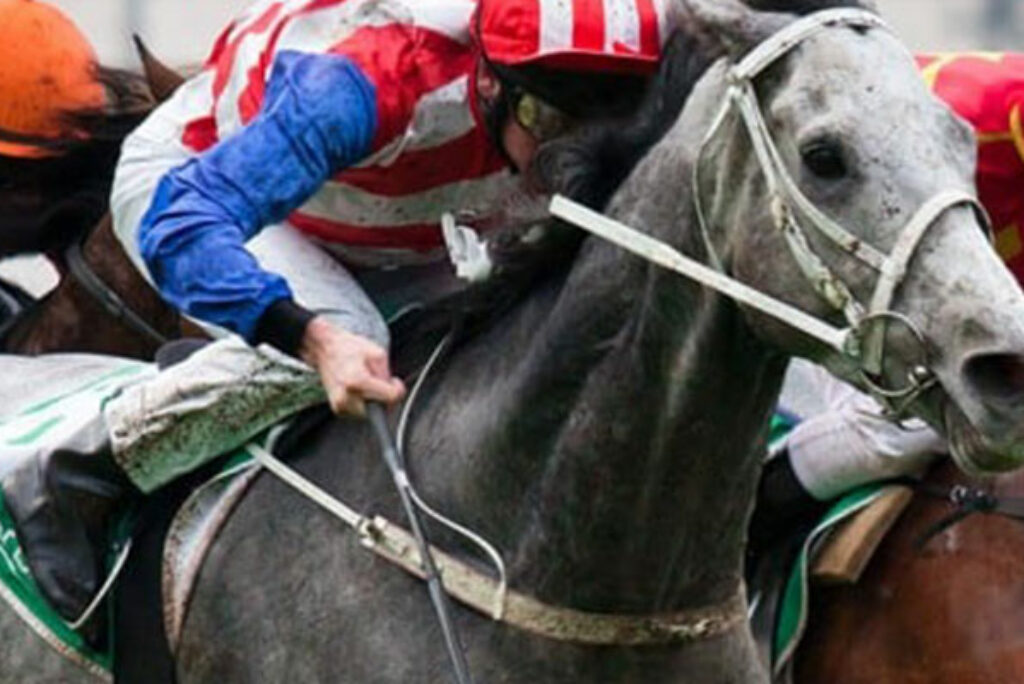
pixel 793 611
pixel 792 620
pixel 19 589
pixel 781 426
pixel 20 433
pixel 31 427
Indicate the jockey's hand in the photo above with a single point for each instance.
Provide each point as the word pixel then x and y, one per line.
pixel 353 369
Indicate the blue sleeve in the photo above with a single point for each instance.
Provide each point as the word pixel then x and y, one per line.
pixel 319 116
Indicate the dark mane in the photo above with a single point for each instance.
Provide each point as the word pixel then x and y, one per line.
pixel 587 166
pixel 46 203
pixel 590 165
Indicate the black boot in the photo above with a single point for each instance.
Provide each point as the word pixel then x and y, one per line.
pixel 783 515
pixel 783 506
pixel 61 503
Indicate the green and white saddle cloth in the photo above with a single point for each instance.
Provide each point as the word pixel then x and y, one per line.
pixel 45 403
pixel 795 604
pixel 795 601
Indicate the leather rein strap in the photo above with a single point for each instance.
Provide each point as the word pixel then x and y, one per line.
pixel 965 501
pixel 795 217
pixel 491 598
pixel 108 299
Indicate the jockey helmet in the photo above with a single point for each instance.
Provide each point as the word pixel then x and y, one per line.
pixel 607 36
pixel 564 60
pixel 47 72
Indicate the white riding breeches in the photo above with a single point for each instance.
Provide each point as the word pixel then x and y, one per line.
pixel 842 440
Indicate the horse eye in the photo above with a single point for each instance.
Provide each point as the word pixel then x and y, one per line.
pixel 825 160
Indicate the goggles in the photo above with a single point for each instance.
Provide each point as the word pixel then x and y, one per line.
pixel 540 119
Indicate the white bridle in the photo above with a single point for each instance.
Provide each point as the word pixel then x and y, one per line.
pixel 863 341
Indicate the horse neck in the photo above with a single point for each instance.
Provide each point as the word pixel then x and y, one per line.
pixel 622 441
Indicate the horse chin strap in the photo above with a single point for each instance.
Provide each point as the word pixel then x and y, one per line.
pixel 865 344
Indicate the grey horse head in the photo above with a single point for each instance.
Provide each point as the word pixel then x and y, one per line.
pixel 868 144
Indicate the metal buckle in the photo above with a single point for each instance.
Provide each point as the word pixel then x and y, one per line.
pixel 919 378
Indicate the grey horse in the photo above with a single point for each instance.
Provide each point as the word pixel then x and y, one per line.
pixel 605 433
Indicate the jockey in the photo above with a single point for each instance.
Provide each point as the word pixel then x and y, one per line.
pixel 848 443
pixel 291 192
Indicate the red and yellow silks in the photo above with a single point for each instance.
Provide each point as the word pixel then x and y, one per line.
pixel 987 89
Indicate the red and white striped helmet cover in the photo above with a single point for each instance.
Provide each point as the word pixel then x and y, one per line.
pixel 575 35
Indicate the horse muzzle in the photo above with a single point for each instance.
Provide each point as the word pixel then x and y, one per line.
pixel 978 454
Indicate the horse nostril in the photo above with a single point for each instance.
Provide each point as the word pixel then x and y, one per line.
pixel 997 376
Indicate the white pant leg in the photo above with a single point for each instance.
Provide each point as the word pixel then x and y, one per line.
pixel 318 281
pixel 844 442
pixel 55 401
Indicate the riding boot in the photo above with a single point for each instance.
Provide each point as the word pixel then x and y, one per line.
pixel 783 506
pixel 62 502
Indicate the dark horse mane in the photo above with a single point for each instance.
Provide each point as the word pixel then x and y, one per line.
pixel 47 203
pixel 588 167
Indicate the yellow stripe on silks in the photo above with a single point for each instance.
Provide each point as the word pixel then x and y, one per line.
pixel 1008 242
pixel 1017 130
pixel 943 59
pixel 988 138
pixel 931 72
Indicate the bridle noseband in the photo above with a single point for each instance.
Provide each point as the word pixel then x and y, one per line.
pixel 865 341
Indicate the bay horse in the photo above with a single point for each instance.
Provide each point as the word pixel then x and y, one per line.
pixel 939 609
pixel 56 206
pixel 605 433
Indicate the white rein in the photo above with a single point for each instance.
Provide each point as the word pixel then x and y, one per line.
pixel 863 339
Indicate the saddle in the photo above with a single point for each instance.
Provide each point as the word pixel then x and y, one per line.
pixel 835 550
pixel 175 528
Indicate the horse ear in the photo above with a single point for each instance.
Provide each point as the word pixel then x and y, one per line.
pixel 162 79
pixel 732 24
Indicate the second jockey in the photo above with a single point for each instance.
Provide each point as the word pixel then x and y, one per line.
pixel 291 192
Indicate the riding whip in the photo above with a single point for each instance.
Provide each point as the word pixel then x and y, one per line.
pixel 438 596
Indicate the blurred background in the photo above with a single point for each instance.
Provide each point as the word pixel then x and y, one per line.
pixel 181 32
